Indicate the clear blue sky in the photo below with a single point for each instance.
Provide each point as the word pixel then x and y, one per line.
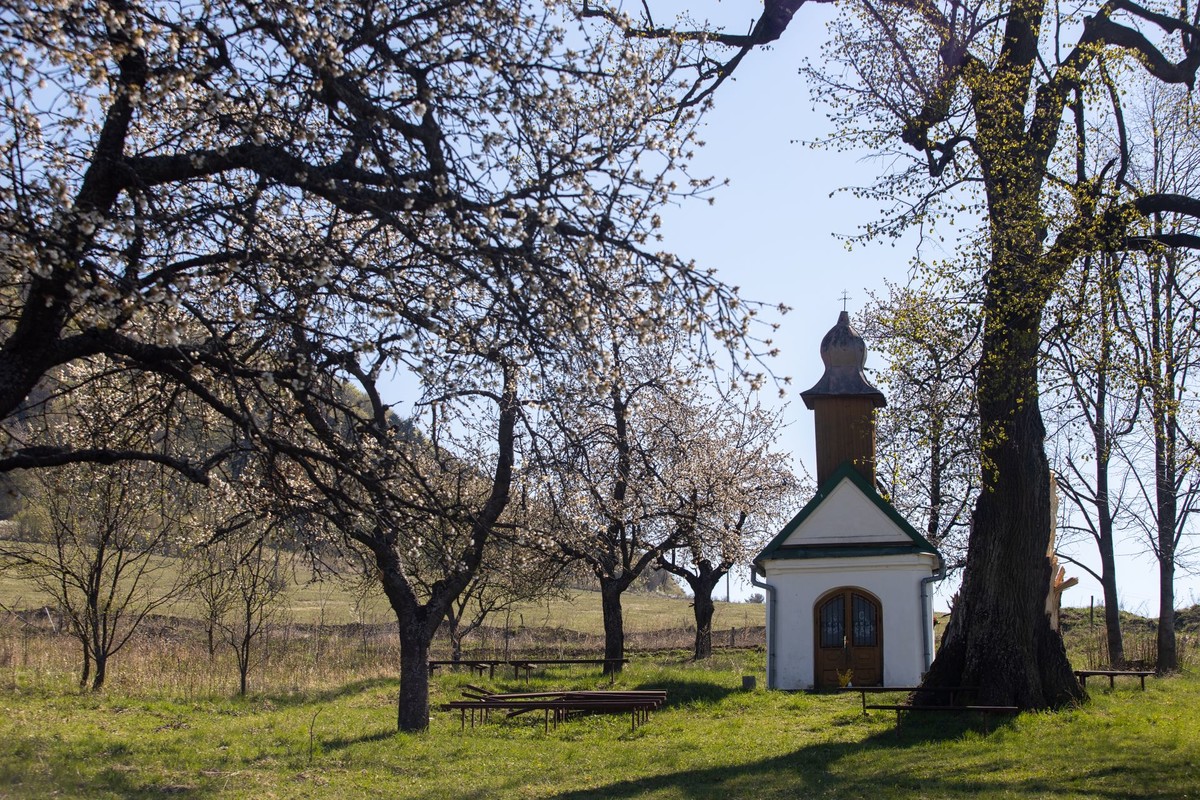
pixel 772 231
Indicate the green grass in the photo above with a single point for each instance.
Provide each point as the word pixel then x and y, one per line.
pixel 712 741
pixel 168 725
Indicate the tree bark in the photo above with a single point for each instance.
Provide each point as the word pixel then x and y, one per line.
pixel 1168 657
pixel 614 625
pixel 1104 446
pixel 86 672
pixel 703 608
pixel 1108 582
pixel 702 581
pixel 1002 641
pixel 413 713
pixel 101 671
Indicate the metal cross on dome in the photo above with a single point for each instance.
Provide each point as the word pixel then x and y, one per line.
pixel 845 298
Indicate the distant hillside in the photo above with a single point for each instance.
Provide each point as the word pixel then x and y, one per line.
pixel 1187 621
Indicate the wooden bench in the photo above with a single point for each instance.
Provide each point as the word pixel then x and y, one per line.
pixel 479 665
pixel 1112 675
pixel 864 690
pixel 529 664
pixel 900 708
pixel 488 665
pixel 557 706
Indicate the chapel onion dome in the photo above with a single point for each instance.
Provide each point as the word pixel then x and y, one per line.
pixel 844 353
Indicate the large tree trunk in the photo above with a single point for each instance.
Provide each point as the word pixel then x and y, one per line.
pixel 614 625
pixel 416 625
pixel 413 712
pixel 1001 640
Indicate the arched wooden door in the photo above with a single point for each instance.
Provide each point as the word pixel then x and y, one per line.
pixel 848 627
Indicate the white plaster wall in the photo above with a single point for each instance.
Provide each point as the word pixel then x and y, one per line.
pixel 894 580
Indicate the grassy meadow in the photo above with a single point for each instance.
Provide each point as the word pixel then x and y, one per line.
pixel 713 740
pixel 320 723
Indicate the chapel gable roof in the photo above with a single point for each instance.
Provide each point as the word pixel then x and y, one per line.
pixel 847 517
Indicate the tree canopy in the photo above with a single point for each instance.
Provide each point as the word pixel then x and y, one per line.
pixel 979 99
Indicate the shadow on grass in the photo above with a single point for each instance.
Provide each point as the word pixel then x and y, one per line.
pixel 683 692
pixel 342 742
pixel 303 698
pixel 890 764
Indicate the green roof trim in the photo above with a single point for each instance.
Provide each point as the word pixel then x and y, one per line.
pixel 843 551
pixel 776 549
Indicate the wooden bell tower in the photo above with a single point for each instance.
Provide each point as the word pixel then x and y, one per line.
pixel 844 404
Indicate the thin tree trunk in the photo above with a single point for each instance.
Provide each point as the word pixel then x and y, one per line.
pixel 243 663
pixel 1168 657
pixel 1108 582
pixel 101 671
pixel 86 672
pixel 1103 438
pixel 243 671
pixel 1164 377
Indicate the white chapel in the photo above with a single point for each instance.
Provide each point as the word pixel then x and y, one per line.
pixel 848 580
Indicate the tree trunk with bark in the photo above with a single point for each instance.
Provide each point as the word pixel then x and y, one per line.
pixel 101 673
pixel 413 712
pixel 1104 439
pixel 85 673
pixel 702 578
pixel 241 645
pixel 1167 659
pixel 1112 610
pixel 1164 378
pixel 614 623
pixel 1002 641
pixel 703 608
